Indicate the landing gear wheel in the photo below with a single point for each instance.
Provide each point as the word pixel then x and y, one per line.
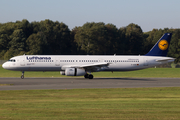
pixel 22 76
pixel 90 76
pixel 86 76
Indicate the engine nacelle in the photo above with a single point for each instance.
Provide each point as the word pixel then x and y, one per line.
pixel 62 72
pixel 74 72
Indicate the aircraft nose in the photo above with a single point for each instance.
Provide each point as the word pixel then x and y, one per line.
pixel 4 65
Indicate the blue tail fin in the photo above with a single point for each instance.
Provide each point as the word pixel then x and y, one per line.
pixel 161 47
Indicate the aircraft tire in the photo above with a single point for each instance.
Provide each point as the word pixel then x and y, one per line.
pixel 22 77
pixel 90 76
pixel 86 76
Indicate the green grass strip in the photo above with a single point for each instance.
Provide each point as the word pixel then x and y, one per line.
pixel 91 104
pixel 5 84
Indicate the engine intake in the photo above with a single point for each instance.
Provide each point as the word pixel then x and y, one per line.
pixel 74 72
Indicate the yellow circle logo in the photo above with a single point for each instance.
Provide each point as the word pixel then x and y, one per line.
pixel 163 45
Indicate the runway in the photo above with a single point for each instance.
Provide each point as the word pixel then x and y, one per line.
pixel 79 83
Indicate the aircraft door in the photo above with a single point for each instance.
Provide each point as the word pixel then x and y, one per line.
pixel 145 61
pixel 22 61
pixel 57 62
pixel 100 60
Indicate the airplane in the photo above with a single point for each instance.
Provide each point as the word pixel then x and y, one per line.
pixel 84 65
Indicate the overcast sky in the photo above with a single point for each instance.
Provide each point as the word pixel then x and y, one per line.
pixel 148 14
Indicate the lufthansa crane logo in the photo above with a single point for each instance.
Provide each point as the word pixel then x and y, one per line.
pixel 163 45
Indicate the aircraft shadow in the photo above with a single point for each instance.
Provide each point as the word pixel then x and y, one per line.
pixel 138 79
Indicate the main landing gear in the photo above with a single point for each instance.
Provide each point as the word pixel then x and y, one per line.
pixel 22 76
pixel 90 76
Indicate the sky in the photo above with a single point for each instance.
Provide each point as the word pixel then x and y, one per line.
pixel 148 14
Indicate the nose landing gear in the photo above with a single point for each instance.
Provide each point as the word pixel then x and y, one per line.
pixel 22 76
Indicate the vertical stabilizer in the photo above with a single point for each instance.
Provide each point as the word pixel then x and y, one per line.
pixel 161 47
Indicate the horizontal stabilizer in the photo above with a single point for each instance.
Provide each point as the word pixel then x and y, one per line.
pixel 164 60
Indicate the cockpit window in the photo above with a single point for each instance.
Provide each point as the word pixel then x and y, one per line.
pixel 12 60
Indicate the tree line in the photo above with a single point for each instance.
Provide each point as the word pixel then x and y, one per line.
pixel 54 38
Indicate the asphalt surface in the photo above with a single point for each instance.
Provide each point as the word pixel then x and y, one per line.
pixel 76 83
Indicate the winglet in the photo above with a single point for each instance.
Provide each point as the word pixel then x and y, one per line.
pixel 161 47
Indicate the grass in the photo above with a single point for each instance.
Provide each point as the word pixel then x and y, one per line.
pixel 80 104
pixel 151 72
pixel 96 104
pixel 5 84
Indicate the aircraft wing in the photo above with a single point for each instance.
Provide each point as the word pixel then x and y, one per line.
pixel 89 67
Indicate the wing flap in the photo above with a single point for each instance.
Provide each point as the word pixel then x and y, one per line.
pixel 95 65
pixel 92 67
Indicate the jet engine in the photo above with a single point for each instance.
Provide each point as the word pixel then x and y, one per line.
pixel 62 72
pixel 74 72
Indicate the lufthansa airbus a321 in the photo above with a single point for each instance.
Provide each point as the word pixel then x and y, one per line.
pixel 84 65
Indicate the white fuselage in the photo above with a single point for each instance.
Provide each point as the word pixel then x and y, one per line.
pixel 61 62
